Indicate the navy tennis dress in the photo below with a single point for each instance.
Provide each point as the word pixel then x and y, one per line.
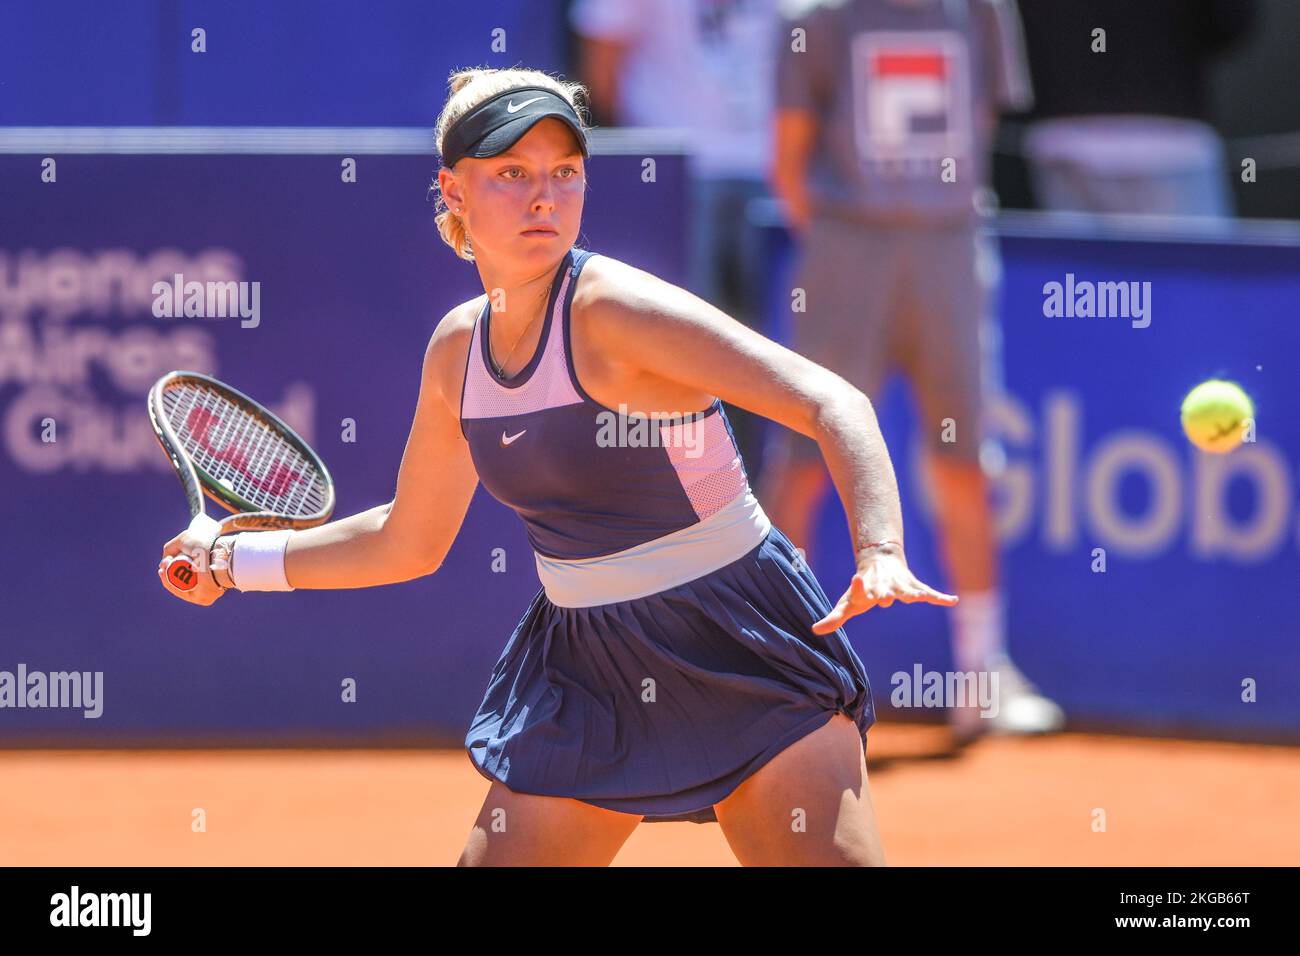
pixel 669 653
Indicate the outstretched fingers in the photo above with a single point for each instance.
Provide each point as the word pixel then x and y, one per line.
pixel 919 592
pixel 871 588
pixel 857 599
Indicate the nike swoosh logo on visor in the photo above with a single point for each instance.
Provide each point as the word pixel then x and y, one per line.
pixel 507 440
pixel 511 108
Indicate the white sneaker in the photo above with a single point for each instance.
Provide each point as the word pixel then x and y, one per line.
pixel 1022 709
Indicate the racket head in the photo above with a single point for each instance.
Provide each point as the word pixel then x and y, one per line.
pixel 238 453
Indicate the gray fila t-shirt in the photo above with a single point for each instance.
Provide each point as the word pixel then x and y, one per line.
pixel 905 94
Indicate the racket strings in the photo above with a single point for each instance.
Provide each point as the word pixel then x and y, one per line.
pixel 267 469
pixel 243 453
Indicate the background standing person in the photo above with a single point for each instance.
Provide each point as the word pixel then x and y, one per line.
pixel 706 66
pixel 884 117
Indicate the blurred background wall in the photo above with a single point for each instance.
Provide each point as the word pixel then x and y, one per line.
pixel 298 63
pixel 355 281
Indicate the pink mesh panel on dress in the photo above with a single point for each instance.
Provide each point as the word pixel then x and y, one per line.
pixel 549 386
pixel 716 476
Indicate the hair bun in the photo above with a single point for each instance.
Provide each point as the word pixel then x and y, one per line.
pixel 463 78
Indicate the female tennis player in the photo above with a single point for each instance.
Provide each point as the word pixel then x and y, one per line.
pixel 680 660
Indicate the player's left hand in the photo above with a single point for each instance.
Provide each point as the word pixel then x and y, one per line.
pixel 206 590
pixel 883 577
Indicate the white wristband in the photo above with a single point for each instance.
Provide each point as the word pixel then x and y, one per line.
pixel 259 559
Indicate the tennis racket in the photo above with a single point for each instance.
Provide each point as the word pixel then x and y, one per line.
pixel 234 450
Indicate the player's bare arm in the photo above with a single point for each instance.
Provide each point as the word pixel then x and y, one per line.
pixel 402 539
pixel 654 329
pixel 794 135
pixel 409 537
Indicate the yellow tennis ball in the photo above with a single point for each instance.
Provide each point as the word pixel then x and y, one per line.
pixel 1216 415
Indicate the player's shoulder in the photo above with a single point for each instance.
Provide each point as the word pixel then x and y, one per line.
pixel 607 284
pixel 604 277
pixel 617 302
pixel 449 343
pixel 457 325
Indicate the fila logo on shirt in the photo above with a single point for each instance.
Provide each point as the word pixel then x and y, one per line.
pixel 911 96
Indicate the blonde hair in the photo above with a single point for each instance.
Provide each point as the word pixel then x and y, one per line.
pixel 469 88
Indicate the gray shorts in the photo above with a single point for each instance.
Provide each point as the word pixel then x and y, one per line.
pixel 909 298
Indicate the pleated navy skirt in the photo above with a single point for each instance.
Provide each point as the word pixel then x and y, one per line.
pixel 663 705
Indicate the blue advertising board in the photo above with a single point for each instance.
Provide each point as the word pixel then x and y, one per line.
pixel 1195 605
pixel 351 280
pixel 1151 586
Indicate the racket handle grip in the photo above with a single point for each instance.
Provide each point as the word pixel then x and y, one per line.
pixel 182 574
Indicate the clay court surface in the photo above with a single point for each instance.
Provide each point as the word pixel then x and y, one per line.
pixel 1000 802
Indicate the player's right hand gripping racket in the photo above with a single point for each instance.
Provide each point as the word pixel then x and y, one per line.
pixel 234 450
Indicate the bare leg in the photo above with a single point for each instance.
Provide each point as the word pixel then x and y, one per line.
pixel 808 806
pixel 969 541
pixel 521 829
pixel 965 519
pixel 792 489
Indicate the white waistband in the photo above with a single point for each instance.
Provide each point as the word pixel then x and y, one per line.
pixel 729 533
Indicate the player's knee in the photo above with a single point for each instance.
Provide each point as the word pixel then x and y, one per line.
pixel 856 840
pixel 852 842
pixel 475 851
pixel 858 853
